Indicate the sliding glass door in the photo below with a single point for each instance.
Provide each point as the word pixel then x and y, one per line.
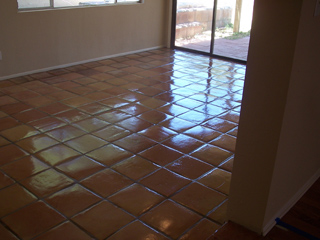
pixel 217 27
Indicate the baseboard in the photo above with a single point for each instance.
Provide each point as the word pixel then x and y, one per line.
pixel 77 63
pixel 291 203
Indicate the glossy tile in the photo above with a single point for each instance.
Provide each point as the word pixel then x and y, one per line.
pixel 165 182
pixel 113 116
pixel 189 167
pixel 217 179
pixel 23 222
pixel 183 143
pixel 135 167
pixel 80 167
pixel 67 201
pixel 135 143
pixel 8 122
pixel 139 231
pixel 199 198
pixel 171 218
pixel 102 220
pixel 91 124
pixel 109 154
pixel 161 155
pixel 157 133
pixel 57 154
pixel 219 214
pixel 6 234
pixel 136 199
pixel 13 198
pixel 134 124
pixel 10 153
pixel 65 133
pixel 106 182
pixel 19 132
pixel 5 180
pixel 66 230
pixel 47 182
pixel 220 125
pixel 86 143
pixel 24 167
pixel 203 230
pixel 226 142
pixel 36 143
pixel 202 133
pixel 211 154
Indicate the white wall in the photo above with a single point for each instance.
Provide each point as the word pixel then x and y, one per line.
pixel 276 154
pixel 41 39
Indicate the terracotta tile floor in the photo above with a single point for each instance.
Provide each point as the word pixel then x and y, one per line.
pixel 125 148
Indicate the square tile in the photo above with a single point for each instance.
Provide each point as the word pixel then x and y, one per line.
pixel 3 141
pixel 66 230
pixel 134 124
pixel 29 115
pixel 226 142
pixel 154 116
pixel 211 110
pixel 80 167
pixel 115 102
pixel 19 132
pixel 24 167
pixel 36 143
pixel 183 143
pixel 152 103
pixel 160 154
pixel 86 143
pixel 173 110
pixel 195 117
pixel 189 103
pixel 91 124
pixel 10 153
pixel 15 108
pixel 136 199
pixel 165 182
pixel 6 234
pixel 65 133
pixel 171 218
pixel 219 214
pixel 27 226
pixel 111 133
pixel 139 231
pixel 220 125
pixel 211 154
pixel 199 198
pixel 135 167
pixel 135 143
pixel 5 180
pixel 202 133
pixel 106 182
pixel 228 165
pixel 109 154
pixel 47 124
pixel 189 167
pixel 47 182
pixel 217 179
pixel 94 108
pixel 8 122
pixel 57 154
pixel 102 220
pixel 203 230
pixel 54 108
pixel 113 116
pixel 13 198
pixel 72 115
pixel 67 201
pixel 157 133
pixel 178 125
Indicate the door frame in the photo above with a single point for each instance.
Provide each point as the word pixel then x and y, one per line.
pixel 211 54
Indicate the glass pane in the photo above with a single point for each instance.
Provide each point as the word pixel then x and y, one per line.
pixel 33 3
pixel 194 24
pixel 233 25
pixel 72 3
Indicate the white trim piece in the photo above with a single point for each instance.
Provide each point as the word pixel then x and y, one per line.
pixel 77 63
pixel 290 203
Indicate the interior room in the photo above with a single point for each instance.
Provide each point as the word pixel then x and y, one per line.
pixel 107 132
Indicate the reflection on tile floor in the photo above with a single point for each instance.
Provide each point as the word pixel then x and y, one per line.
pixel 139 145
